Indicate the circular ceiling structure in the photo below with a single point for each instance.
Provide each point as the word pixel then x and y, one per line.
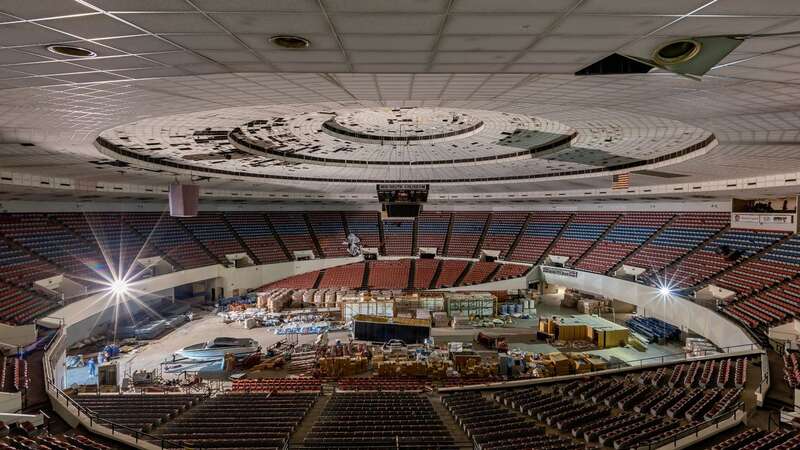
pixel 404 126
pixel 333 144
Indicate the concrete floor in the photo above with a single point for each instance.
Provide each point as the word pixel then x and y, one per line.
pixel 207 326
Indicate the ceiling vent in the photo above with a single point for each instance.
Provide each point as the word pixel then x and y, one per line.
pixel 290 42
pixel 68 50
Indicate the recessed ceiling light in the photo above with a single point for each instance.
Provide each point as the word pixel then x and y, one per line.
pixel 291 42
pixel 68 50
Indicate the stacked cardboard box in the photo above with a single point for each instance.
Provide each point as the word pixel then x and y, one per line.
pixel 342 366
pixel 400 368
pixel 440 319
pixel 561 364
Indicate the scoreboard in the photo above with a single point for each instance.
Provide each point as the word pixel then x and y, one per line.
pixel 402 199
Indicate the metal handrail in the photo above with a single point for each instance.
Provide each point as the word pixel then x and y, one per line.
pixel 725 414
pixel 94 417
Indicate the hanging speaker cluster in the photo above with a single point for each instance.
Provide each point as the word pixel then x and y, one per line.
pixel 183 200
pixel 691 57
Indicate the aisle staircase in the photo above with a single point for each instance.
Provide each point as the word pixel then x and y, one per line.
pixel 365 278
pixel 146 239
pixel 317 246
pixel 463 274
pixel 443 251
pixel 479 245
pixel 239 239
pixel 312 416
pixel 436 274
pixel 460 438
pixel 597 241
pixel 200 243
pixel 411 274
pixel 647 241
pixel 552 244
pixel 514 244
pixel 289 255
pixel 671 267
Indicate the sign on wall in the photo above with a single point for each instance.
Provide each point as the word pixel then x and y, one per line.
pixel 764 221
pixel 560 271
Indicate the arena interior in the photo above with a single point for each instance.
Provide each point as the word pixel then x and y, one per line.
pixel 407 224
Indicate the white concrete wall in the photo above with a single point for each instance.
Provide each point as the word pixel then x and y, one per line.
pixel 675 310
pixel 514 283
pixel 17 336
pixel 10 402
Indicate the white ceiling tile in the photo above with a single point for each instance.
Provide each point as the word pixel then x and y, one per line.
pixel 43 8
pixel 140 44
pixel 388 42
pixel 6 73
pixel 501 6
pixel 273 24
pixel 374 57
pixel 770 61
pixel 793 51
pixel 29 34
pixel 205 41
pixel 49 68
pixel 755 74
pixel 579 43
pixel 172 22
pixel 249 67
pixel 704 26
pixel 142 5
pixel 230 56
pixel 491 24
pixel 483 43
pixel 474 57
pixel 203 68
pixel 90 27
pixel 303 56
pixel 178 58
pixel 544 68
pixel 311 67
pixel 466 68
pixel 115 63
pixel 677 7
pixel 610 25
pixel 560 57
pixel 153 72
pixel 386 6
pixel 91 77
pixel 14 56
pixel 748 7
pixel 250 5
pixel 387 24
pixel 760 45
pixel 390 68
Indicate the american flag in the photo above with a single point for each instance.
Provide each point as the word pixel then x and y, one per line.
pixel 621 181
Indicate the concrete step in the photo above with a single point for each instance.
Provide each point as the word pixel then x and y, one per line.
pixel 459 437
pixel 308 421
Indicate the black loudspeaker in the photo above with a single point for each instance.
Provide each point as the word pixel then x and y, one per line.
pixel 183 200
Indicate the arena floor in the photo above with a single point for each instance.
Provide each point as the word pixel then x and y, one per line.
pixel 206 326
